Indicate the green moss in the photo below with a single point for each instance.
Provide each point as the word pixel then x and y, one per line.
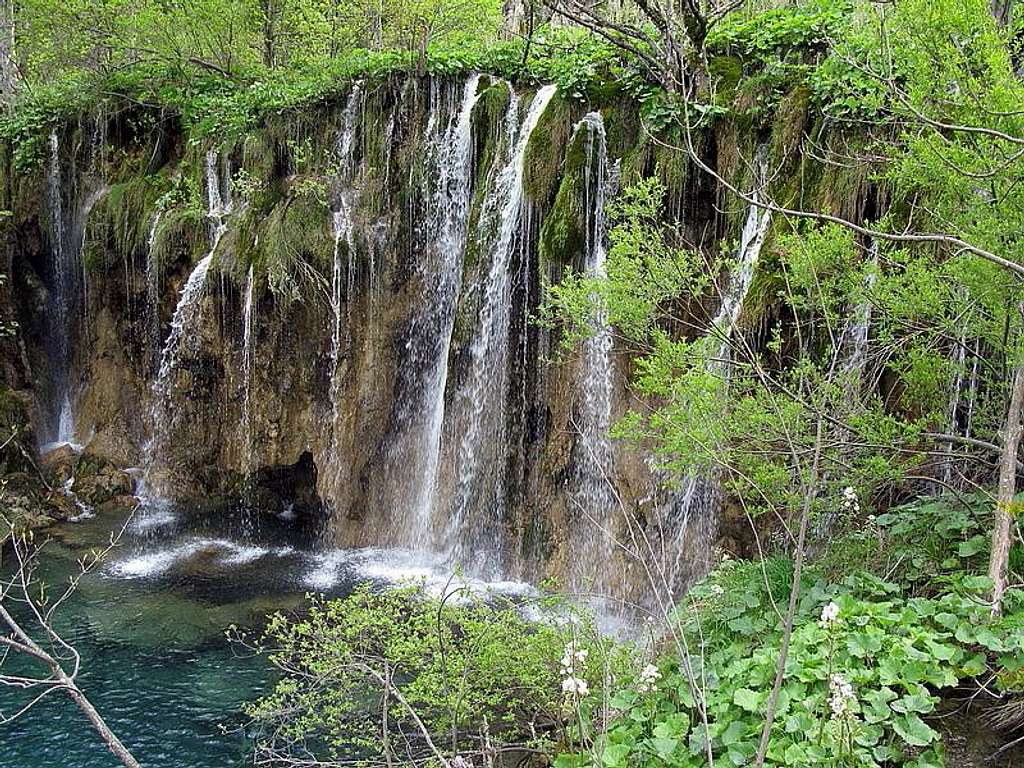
pixel 766 286
pixel 725 73
pixel 543 157
pixel 119 222
pixel 622 127
pixel 180 233
pixel 297 230
pixel 788 129
pixel 563 234
pixel 491 143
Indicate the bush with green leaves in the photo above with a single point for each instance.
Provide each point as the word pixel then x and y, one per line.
pixel 378 671
pixel 868 662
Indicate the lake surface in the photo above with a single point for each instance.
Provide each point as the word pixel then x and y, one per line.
pixel 150 625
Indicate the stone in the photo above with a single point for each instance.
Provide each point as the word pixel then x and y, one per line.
pixel 107 484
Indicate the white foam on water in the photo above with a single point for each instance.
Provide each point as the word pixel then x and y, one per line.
pixel 400 566
pixel 326 570
pixel 241 554
pixel 156 563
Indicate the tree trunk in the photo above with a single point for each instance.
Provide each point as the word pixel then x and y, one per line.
pixel 8 63
pixel 269 34
pixel 1002 529
pixel 1003 12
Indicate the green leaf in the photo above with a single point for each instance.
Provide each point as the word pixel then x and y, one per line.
pixel 735 731
pixel 864 644
pixel 616 755
pixel 976 665
pixel 973 546
pixel 665 747
pixel 913 730
pixel 917 702
pixel 747 699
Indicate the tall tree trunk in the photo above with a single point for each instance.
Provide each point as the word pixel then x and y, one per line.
pixel 269 34
pixel 8 62
pixel 1002 529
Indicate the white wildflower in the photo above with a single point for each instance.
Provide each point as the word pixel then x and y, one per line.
pixel 829 614
pixel 717 590
pixel 572 683
pixel 649 677
pixel 850 501
pixel 842 695
pixel 575 686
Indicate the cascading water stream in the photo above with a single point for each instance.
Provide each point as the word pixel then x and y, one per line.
pixel 473 527
pixel 859 328
pixel 343 225
pixel 181 339
pixel 153 289
pixel 415 455
pixel 67 297
pixel 594 494
pixel 63 289
pixel 248 364
pixel 694 508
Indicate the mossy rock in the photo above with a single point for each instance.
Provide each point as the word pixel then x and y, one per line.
pixel 563 235
pixel 120 221
pixel 789 127
pixel 543 158
pixel 297 230
pixel 491 145
pixel 622 127
pixel 725 73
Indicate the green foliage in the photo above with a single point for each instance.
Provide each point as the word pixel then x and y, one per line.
pixel 459 663
pixel 799 28
pixel 897 650
pixel 646 268
pixel 41 111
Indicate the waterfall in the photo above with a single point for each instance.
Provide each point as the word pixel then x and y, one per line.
pixel 415 455
pixel 694 508
pixel 482 441
pixel 855 335
pixel 62 291
pixel 183 335
pixel 64 295
pixel 755 229
pixel 594 494
pixel 153 289
pixel 344 226
pixel 248 358
pixel 67 296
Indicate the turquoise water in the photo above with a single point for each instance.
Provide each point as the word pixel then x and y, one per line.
pixel 150 625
